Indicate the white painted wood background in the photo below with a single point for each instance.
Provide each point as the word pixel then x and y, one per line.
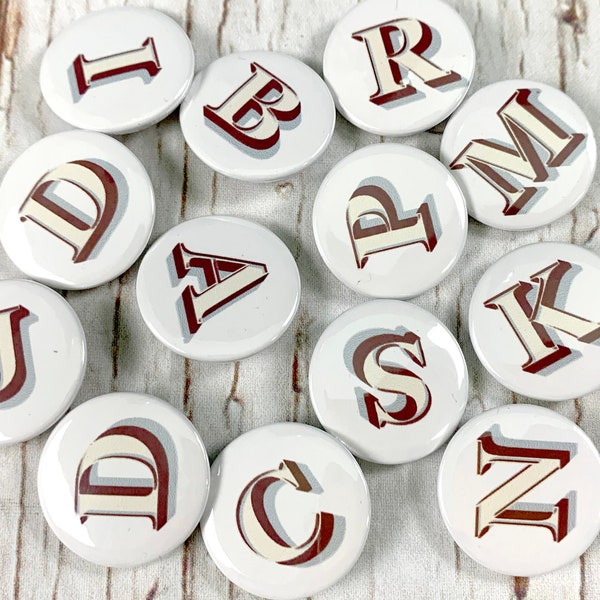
pixel 409 554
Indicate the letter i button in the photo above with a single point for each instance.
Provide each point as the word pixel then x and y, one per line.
pixel 390 221
pixel 123 479
pixel 258 116
pixel 523 153
pixel 398 67
pixel 76 210
pixel 534 321
pixel 117 70
pixel 519 490
pixel 288 512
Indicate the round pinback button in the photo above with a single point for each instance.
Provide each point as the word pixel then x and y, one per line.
pixel 397 67
pixel 258 116
pixel 117 70
pixel 390 221
pixel 123 479
pixel 519 490
pixel 523 153
pixel 534 321
pixel 389 380
pixel 76 210
pixel 218 288
pixel 288 513
pixel 42 359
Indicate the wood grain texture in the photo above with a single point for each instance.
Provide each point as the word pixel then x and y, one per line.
pixel 409 553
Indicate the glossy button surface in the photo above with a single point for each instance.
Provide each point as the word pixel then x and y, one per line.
pixel 117 70
pixel 519 490
pixel 534 321
pixel 523 153
pixel 258 116
pixel 218 288
pixel 42 359
pixel 288 513
pixel 76 210
pixel 390 221
pixel 389 380
pixel 397 67
pixel 123 479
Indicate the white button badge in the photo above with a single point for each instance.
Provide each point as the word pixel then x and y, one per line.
pixel 123 479
pixel 390 221
pixel 258 116
pixel 288 513
pixel 397 67
pixel 389 380
pixel 76 210
pixel 117 70
pixel 42 359
pixel 523 153
pixel 218 288
pixel 519 490
pixel 534 321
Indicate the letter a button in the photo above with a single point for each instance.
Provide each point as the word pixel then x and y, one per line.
pixel 390 221
pixel 123 479
pixel 117 70
pixel 218 288
pixel 397 67
pixel 76 210
pixel 534 321
pixel 519 490
pixel 258 116
pixel 288 513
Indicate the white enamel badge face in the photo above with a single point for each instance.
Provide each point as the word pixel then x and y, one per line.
pixel 534 321
pixel 76 210
pixel 218 288
pixel 117 70
pixel 390 221
pixel 523 153
pixel 258 116
pixel 123 479
pixel 288 513
pixel 42 359
pixel 519 490
pixel 399 67
pixel 389 380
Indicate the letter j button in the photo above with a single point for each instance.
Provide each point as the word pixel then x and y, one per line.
pixel 76 210
pixel 534 321
pixel 519 490
pixel 123 479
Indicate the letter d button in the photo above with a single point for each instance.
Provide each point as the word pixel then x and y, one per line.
pixel 123 479
pixel 76 210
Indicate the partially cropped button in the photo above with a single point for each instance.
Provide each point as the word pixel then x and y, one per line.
pixel 519 490
pixel 389 380
pixel 523 153
pixel 397 67
pixel 76 210
pixel 258 116
pixel 534 321
pixel 390 221
pixel 117 70
pixel 218 288
pixel 123 479
pixel 288 513
pixel 42 359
